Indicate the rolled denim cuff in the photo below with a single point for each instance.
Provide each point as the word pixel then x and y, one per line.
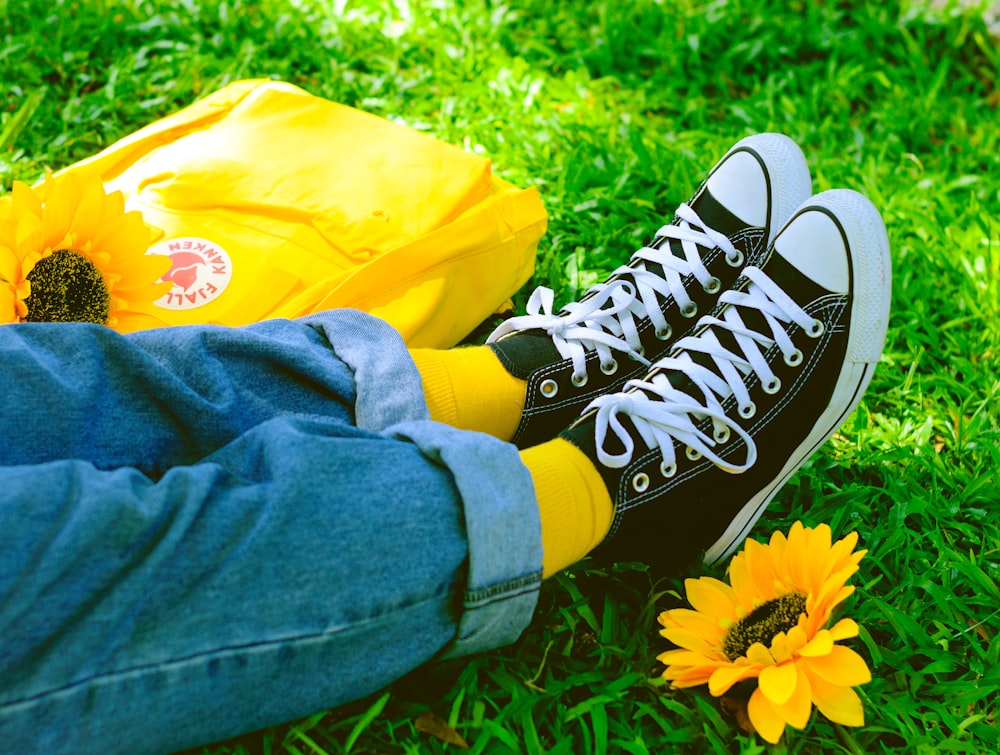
pixel 503 530
pixel 498 495
pixel 388 386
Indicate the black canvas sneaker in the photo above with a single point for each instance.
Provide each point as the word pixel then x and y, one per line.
pixel 694 451
pixel 593 346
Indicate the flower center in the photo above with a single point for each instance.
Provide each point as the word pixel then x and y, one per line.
pixel 67 287
pixel 763 623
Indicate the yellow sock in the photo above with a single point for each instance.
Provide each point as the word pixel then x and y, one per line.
pixel 468 388
pixel 573 503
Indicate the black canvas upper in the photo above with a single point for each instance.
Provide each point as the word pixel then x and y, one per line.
pixel 531 356
pixel 673 521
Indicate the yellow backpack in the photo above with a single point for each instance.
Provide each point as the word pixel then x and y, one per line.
pixel 277 203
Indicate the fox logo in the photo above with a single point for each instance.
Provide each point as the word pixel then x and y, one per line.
pixel 183 271
pixel 199 270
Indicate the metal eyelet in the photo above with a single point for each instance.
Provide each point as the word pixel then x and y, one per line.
pixel 641 351
pixel 689 310
pixel 610 368
pixel 815 330
pixel 747 412
pixel 713 285
pixel 549 388
pixel 668 470
pixel 794 359
pixel 721 435
pixel 736 261
pixel 692 454
pixel 664 333
pixel 772 387
pixel 640 482
pixel 579 380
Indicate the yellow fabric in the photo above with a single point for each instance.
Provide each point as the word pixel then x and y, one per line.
pixel 573 503
pixel 469 389
pixel 299 204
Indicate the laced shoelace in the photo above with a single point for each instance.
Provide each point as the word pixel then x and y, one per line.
pixel 662 414
pixel 607 319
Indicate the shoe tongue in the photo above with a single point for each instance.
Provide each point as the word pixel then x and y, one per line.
pixel 533 349
pixel 712 213
pixel 525 352
pixel 802 289
pixel 715 215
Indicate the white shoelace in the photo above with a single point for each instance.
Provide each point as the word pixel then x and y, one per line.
pixel 608 318
pixel 663 414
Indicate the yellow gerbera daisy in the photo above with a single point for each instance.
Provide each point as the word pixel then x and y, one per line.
pixel 69 252
pixel 770 625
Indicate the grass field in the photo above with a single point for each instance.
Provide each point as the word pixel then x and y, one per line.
pixel 614 110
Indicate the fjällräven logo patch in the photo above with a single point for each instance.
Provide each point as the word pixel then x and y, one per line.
pixel 199 270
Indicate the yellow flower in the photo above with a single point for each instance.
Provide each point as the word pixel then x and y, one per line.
pixel 770 625
pixel 70 252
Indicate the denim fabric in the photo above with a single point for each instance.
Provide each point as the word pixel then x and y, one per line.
pixel 204 531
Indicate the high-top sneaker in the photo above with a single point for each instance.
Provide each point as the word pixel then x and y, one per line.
pixel 694 451
pixel 593 346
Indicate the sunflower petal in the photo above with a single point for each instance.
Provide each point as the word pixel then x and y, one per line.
pixel 681 657
pixel 725 677
pixel 761 569
pixel 819 645
pixel 765 717
pixel 796 556
pixel 114 205
pixel 778 682
pixel 26 201
pixel 844 548
pixel 711 597
pixel 839 704
pixel 684 638
pixel 739 578
pixel 706 626
pixel 844 629
pixel 798 708
pixel 841 666
pixel 8 305
pixel 760 655
pixel 28 236
pixel 90 213
pixel 141 270
pixel 781 649
pixel 121 239
pixel 61 205
pixel 130 321
pixel 818 546
pixel 797 637
pixel 693 677
pixel 10 268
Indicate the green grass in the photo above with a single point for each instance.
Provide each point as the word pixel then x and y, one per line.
pixel 614 110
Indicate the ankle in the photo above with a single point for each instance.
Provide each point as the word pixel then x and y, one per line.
pixel 469 389
pixel 573 503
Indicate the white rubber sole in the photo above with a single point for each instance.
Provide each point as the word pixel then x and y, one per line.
pixel 872 287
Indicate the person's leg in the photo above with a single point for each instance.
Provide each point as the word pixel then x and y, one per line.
pixel 539 371
pixel 302 566
pixel 299 566
pixel 468 388
pixel 159 398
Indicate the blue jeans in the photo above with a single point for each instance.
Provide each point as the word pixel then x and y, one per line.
pixel 204 531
